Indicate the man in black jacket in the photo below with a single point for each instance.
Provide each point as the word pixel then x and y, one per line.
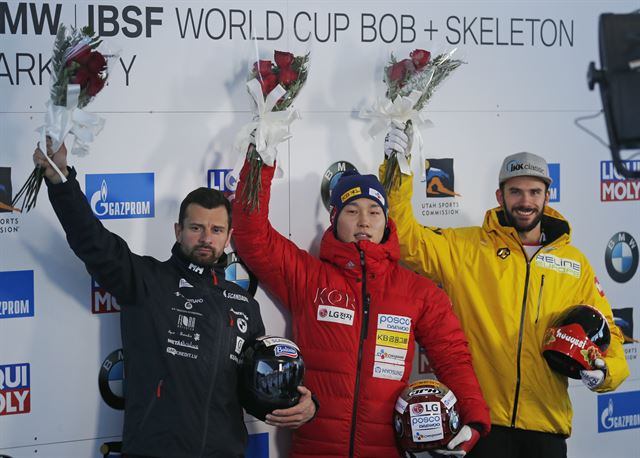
pixel 183 324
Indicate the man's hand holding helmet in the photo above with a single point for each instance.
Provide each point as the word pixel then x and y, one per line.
pixel 295 416
pixel 594 378
pixel 461 443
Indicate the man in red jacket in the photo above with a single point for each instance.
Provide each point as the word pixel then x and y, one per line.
pixel 356 315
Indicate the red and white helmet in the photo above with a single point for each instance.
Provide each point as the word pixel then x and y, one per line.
pixel 576 340
pixel 425 416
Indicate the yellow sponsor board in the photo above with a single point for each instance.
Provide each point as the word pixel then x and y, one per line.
pixel 392 339
pixel 350 193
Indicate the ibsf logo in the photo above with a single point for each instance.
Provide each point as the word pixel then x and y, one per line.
pixel 16 294
pixel 554 188
pixel 615 187
pixel 440 178
pixel 331 177
pixel 102 301
pixel 223 181
pixel 621 257
pixel 121 195
pixel 618 411
pixel 111 380
pixel 15 389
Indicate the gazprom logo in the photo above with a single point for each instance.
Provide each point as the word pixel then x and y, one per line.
pixel 618 411
pixel 121 195
pixel 16 294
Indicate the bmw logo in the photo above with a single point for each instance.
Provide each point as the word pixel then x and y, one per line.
pixel 238 273
pixel 111 380
pixel 621 257
pixel 331 177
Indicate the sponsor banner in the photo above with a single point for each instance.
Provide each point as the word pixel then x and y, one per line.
pixel 621 257
pixel 223 181
pixel 15 389
pixel 335 315
pixel 440 185
pixel 388 371
pixel 390 355
pixel 392 339
pixel 121 195
pixel 554 188
pixel 102 301
pixel 614 187
pixel 424 367
pixel 258 446
pixel 111 381
pixel 16 294
pixel 618 411
pixel 394 323
pixel 623 318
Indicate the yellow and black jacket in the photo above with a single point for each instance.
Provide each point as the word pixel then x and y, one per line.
pixel 505 303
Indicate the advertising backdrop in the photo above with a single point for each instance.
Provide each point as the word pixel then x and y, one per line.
pixel 175 101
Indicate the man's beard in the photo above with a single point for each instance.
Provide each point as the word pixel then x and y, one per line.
pixel 513 221
pixel 207 261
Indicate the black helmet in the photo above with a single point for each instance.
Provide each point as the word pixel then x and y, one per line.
pixel 425 416
pixel 271 371
pixel 575 341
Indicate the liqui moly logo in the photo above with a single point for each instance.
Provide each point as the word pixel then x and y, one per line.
pixel 615 187
pixel 15 389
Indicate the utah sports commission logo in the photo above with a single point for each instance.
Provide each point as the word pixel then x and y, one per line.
pixel 111 380
pixel 440 178
pixel 621 257
pixel 331 177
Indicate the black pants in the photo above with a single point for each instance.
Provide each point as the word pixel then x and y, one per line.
pixel 505 442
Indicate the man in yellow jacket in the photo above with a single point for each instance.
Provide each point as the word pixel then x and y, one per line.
pixel 509 281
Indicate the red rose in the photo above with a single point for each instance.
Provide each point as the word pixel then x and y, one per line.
pixel 96 62
pixel 268 82
pixel 287 76
pixel 263 67
pixel 397 71
pixel 420 58
pixel 80 56
pixel 95 85
pixel 283 59
pixel 81 77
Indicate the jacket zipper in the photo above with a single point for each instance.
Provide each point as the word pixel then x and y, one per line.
pixel 363 335
pixel 521 333
pixel 519 353
pixel 214 371
pixel 540 298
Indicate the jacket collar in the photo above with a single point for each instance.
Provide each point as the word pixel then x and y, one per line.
pixel 197 270
pixel 346 256
pixel 555 227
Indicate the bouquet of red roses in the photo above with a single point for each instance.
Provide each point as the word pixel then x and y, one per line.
pixel 79 74
pixel 410 84
pixel 273 87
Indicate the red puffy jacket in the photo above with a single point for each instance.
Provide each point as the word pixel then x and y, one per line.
pixel 356 366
